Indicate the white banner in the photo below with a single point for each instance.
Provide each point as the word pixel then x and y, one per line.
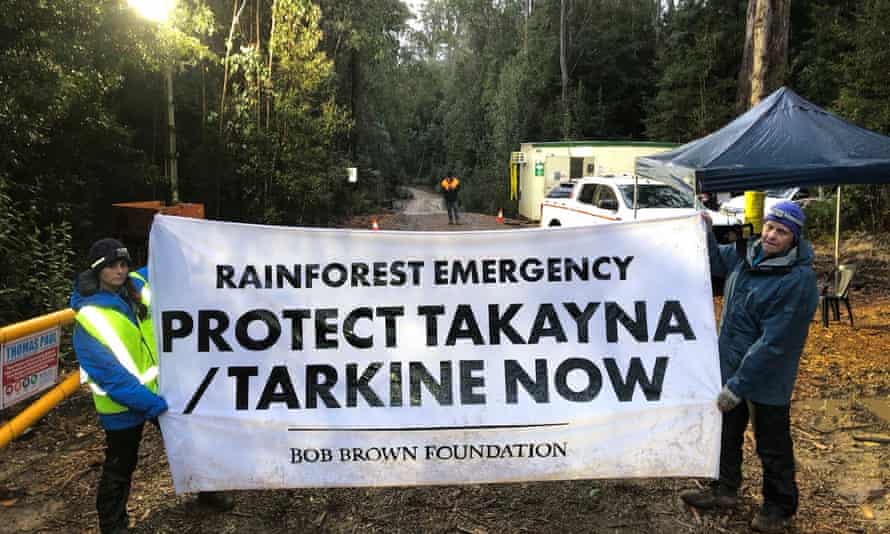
pixel 295 357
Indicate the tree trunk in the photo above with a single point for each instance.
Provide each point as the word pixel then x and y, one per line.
pixel 656 21
pixel 271 55
pixel 203 103
pixel 354 95
pixel 259 70
pixel 765 59
pixel 236 14
pixel 563 66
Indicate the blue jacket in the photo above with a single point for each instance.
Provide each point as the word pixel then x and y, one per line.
pixel 767 309
pixel 103 367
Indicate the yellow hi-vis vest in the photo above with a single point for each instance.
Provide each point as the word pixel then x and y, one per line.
pixel 147 325
pixel 133 346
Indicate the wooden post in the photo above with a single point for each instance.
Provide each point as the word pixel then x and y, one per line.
pixel 171 132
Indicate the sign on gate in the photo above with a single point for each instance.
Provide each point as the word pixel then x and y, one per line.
pixel 29 365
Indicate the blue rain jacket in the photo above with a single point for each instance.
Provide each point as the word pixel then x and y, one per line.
pixel 767 309
pixel 103 367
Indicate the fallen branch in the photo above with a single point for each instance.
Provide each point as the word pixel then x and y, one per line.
pixel 687 525
pixel 813 440
pixel 73 476
pixel 876 438
pixel 856 427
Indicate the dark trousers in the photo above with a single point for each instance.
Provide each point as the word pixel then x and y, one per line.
pixel 772 432
pixel 121 455
pixel 451 206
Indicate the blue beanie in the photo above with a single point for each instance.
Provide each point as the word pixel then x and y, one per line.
pixel 788 214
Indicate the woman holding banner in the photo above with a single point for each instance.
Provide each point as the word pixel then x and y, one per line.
pixel 114 343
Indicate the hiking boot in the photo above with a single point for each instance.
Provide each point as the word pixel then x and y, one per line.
pixel 218 501
pixel 770 523
pixel 714 496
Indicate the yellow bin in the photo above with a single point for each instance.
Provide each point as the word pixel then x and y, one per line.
pixel 754 209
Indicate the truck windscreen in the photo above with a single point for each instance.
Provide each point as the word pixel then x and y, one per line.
pixel 655 196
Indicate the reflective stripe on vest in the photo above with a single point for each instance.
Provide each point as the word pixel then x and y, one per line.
pixel 146 292
pixel 145 378
pixel 85 379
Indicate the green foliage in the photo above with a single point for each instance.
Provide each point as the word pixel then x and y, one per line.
pixel 864 208
pixel 36 259
pixel 313 87
pixel 174 44
pixel 818 40
pixel 698 60
pixel 286 168
pixel 865 93
pixel 820 218
pixel 60 63
pixel 860 60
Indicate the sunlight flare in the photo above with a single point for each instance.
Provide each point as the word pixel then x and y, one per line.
pixel 154 10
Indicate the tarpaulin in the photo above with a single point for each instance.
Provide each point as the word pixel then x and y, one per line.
pixel 785 140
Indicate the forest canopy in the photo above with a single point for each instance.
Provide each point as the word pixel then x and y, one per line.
pixel 274 99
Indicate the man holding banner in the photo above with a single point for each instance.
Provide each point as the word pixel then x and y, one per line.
pixel 770 298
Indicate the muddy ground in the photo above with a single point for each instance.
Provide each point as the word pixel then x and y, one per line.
pixel 841 414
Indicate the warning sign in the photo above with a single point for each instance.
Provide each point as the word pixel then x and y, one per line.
pixel 29 365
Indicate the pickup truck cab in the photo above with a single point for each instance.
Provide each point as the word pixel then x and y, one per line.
pixel 608 199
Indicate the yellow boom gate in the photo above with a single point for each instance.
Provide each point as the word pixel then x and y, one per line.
pixel 51 398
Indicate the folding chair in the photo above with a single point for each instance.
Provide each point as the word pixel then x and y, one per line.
pixel 832 299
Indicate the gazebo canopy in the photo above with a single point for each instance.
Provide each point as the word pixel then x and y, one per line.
pixel 783 141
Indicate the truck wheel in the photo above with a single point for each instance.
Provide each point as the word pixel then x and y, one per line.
pixel 554 222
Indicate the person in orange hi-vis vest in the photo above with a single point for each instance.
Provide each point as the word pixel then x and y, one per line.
pixel 450 186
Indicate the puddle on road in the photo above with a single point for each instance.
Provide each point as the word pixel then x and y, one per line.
pixel 855 471
pixel 839 414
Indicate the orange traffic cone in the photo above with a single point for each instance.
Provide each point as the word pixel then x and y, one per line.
pixel 374 225
pixel 500 216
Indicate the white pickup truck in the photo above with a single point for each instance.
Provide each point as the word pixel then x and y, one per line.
pixel 607 199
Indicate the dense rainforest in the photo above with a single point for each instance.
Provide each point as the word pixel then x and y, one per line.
pixel 275 99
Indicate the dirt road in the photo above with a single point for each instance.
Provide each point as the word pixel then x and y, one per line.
pixel 426 212
pixel 423 203
pixel 48 478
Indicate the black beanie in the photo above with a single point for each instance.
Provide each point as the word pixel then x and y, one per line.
pixel 105 251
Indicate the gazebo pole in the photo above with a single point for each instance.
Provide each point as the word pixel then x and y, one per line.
pixel 637 194
pixel 837 235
